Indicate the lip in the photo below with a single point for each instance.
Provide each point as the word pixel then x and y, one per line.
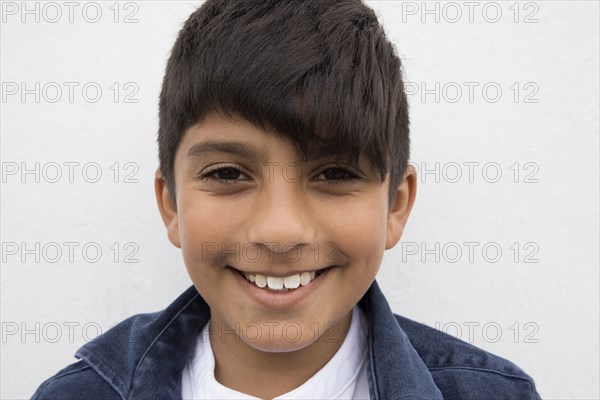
pixel 275 300
pixel 279 274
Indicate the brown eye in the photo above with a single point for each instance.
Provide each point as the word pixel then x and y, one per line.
pixel 224 175
pixel 228 173
pixel 335 175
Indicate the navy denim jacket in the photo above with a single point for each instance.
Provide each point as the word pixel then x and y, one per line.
pixel 143 358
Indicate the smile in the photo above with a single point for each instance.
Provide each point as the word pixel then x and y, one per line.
pixel 282 283
pixel 272 291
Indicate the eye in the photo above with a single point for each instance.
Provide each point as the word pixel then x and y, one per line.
pixel 336 175
pixel 225 174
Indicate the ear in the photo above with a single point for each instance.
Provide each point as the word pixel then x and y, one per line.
pixel 167 209
pixel 401 207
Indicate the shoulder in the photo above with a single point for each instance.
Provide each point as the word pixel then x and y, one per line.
pixel 78 381
pixel 109 363
pixel 462 370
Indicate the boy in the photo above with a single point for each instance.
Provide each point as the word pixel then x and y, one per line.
pixel 283 146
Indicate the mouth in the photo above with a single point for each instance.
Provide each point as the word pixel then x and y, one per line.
pixel 282 284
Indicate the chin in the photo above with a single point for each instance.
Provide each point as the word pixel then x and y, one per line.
pixel 279 345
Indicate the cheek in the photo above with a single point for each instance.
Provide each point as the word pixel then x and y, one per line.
pixel 363 237
pixel 202 233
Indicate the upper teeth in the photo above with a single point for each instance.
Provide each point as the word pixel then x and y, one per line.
pixel 278 283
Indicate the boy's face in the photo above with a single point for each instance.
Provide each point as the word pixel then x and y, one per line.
pixel 248 204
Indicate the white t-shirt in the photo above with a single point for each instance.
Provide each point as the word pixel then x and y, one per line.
pixel 343 377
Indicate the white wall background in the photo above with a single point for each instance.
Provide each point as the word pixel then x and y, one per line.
pixel 542 315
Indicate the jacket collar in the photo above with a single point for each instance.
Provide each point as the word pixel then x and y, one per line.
pixel 143 357
pixel 395 369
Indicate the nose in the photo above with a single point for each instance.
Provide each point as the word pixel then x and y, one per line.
pixel 281 218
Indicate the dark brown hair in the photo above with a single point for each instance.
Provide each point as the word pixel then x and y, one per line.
pixel 312 71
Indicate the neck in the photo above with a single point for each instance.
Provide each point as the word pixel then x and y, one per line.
pixel 263 374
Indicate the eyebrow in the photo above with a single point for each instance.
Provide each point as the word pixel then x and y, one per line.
pixel 214 146
pixel 250 152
